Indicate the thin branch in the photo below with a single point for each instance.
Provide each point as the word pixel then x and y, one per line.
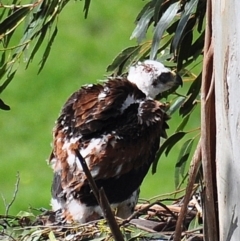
pixel 194 167
pixel 14 6
pixel 167 194
pixel 92 183
pixel 15 47
pixel 145 207
pixel 102 200
pixel 8 206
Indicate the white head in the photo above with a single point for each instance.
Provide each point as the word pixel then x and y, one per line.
pixel 152 77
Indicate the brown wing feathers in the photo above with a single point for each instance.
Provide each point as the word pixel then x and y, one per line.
pixel 117 137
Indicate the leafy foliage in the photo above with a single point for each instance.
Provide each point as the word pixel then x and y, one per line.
pixel 40 19
pixel 177 41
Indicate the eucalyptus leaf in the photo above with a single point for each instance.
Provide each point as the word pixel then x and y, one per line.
pixel 201 11
pixel 182 159
pixel 167 146
pixel 162 25
pixel 52 236
pixel 175 138
pixel 23 214
pixel 7 81
pixel 183 123
pixel 143 10
pixel 184 50
pixel 11 21
pixel 51 10
pixel 3 68
pixel 193 92
pixel 3 105
pixel 38 43
pixel 189 8
pixel 195 86
pixel 2 13
pixel 175 106
pixel 47 50
pixel 86 7
pixel 157 10
pixel 140 31
pixel 122 58
pixel 196 48
pixel 187 106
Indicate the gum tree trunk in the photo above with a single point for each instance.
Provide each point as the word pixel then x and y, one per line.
pixel 226 66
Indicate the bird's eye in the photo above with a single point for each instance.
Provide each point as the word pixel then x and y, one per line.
pixel 164 77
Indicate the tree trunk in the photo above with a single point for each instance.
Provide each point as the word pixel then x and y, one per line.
pixel 226 63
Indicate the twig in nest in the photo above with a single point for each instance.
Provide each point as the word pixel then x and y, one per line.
pixel 168 210
pixel 145 207
pixel 7 235
pixel 102 200
pixel 8 206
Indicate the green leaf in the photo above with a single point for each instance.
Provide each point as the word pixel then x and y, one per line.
pixel 52 236
pixel 167 146
pixel 7 81
pixel 47 50
pixel 157 10
pixel 51 12
pixel 195 223
pixel 190 101
pixel 184 49
pixel 197 47
pixel 140 31
pixel 3 12
pixel 86 7
pixel 162 25
pixel 201 11
pixel 195 86
pixel 12 20
pixel 183 123
pixel 144 9
pixel 23 214
pixel 188 10
pixel 38 43
pixel 3 65
pixel 122 58
pixel 4 106
pixel 175 106
pixel 182 159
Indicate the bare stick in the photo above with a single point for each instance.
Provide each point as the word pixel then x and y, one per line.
pixel 102 200
pixel 8 206
pixel 195 163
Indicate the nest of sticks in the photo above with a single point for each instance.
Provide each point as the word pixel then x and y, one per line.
pixel 150 221
pixel 156 219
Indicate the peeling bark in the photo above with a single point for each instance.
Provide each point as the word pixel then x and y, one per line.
pixel 226 62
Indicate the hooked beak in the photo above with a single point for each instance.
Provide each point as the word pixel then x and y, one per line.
pixel 178 80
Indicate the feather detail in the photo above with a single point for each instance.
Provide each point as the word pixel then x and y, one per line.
pixel 117 130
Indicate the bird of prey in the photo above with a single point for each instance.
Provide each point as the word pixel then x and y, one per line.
pixel 116 126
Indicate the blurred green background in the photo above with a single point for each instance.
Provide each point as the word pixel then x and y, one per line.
pixel 80 55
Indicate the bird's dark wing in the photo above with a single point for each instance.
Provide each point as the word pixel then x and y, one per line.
pixel 115 128
pixel 93 107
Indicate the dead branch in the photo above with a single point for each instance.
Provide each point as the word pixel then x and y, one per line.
pixel 102 200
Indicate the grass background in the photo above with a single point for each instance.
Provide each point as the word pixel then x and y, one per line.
pixel 80 55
